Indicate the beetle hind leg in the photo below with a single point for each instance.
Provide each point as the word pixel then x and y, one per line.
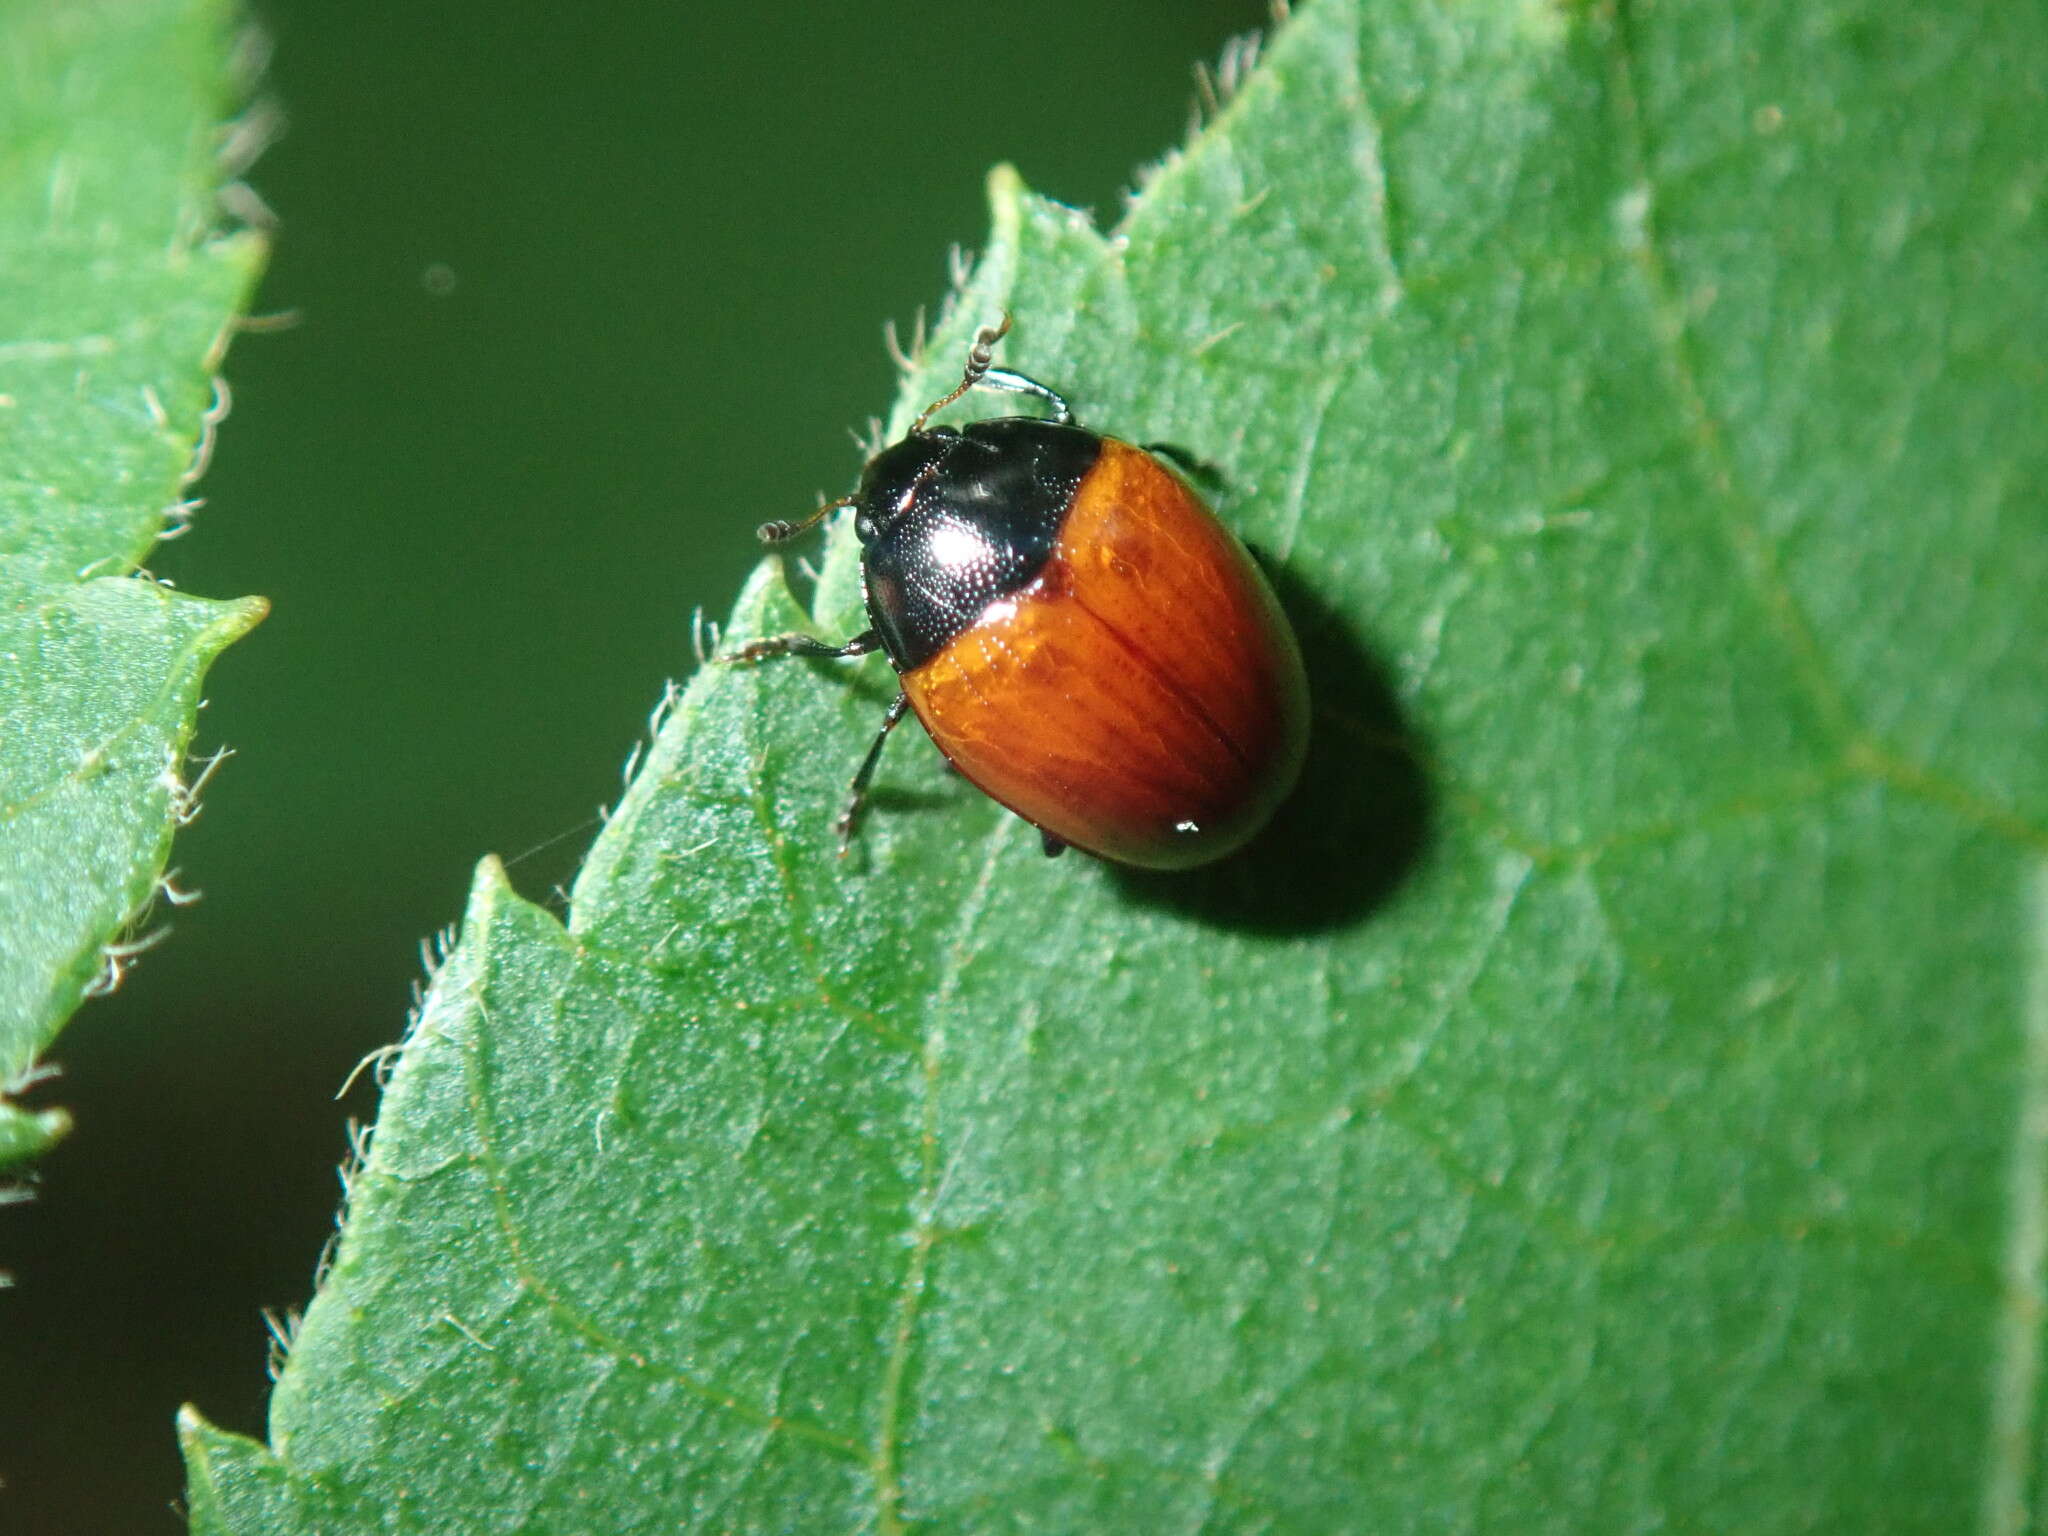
pixel 857 793
pixel 1188 463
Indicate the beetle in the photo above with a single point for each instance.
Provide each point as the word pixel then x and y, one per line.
pixel 1073 628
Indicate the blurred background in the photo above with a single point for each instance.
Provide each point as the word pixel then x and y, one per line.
pixel 583 293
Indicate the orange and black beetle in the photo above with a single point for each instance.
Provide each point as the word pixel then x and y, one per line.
pixel 1077 632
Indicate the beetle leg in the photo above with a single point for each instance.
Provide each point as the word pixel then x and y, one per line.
pixel 1194 468
pixel 858 793
pixel 802 645
pixel 981 374
pixel 1005 382
pixel 1054 846
pixel 979 356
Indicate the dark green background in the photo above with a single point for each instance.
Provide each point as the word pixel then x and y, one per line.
pixel 484 510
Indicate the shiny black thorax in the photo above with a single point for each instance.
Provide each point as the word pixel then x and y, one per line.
pixel 950 522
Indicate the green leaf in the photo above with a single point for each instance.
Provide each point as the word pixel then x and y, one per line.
pixel 1614 1095
pixel 113 313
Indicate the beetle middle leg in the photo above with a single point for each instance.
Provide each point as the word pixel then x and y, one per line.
pixel 808 645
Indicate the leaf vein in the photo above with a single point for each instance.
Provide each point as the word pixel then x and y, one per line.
pixel 923 1235
pixel 528 1274
pixel 2016 1324
pixel 1859 745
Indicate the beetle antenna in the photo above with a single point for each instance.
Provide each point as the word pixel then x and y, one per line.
pixel 778 531
pixel 980 357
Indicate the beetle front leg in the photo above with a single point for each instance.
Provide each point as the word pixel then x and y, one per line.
pixel 802 645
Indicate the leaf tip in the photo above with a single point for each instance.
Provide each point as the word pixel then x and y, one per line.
pixel 231 1481
pixel 1006 191
pixel 200 1441
pixel 490 881
pixel 1009 198
pixel 245 613
pixel 27 1134
pixel 227 620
